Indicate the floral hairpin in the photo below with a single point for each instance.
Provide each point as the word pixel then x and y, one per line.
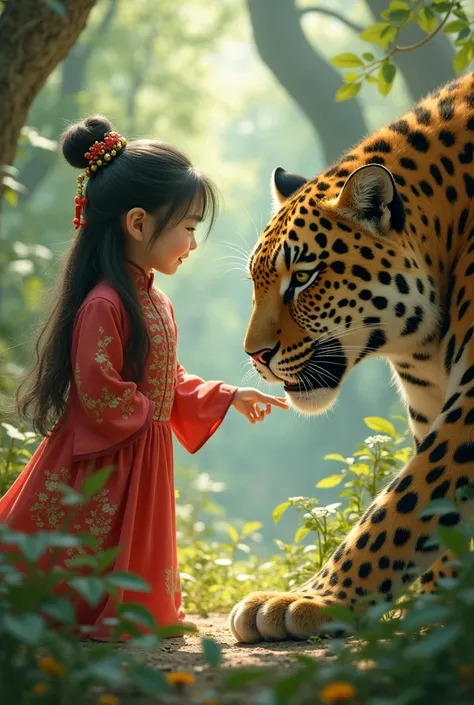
pixel 98 155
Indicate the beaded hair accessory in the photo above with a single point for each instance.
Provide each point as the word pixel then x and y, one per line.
pixel 98 155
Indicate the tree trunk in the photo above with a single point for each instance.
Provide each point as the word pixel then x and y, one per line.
pixel 308 78
pixel 426 68
pixel 35 169
pixel 33 40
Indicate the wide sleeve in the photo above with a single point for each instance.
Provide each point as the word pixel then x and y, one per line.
pixel 110 412
pixel 199 408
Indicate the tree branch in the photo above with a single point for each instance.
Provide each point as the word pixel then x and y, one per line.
pixel 335 15
pixel 433 65
pixel 307 77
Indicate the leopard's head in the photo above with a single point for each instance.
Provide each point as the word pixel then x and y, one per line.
pixel 335 280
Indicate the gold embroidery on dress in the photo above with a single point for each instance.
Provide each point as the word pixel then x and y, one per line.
pixel 172 582
pixel 95 518
pixel 107 399
pixel 48 512
pixel 160 374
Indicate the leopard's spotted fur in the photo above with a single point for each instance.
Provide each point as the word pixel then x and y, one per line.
pixel 376 256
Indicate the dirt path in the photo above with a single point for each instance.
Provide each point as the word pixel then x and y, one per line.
pixel 185 654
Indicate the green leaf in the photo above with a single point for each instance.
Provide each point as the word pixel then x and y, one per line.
pixel 301 534
pixel 335 456
pixel 465 492
pixel 459 12
pixel 438 507
pixel 90 588
pixel 11 197
pixel 455 26
pixel 435 642
pixel 381 34
pixel 233 533
pixel 106 558
pixel 28 628
pixel 96 481
pixel 330 481
pixel 347 92
pixel 385 78
pixel 441 6
pixel 250 527
pixel 61 609
pixel 427 20
pixel 212 651
pixel 70 497
pixel 427 614
pixel 463 57
pixel 453 539
pixel 128 581
pixel 149 680
pixel 398 16
pixel 176 630
pixel 35 545
pixel 376 423
pixel 367 56
pixel 341 613
pixel 138 614
pixel 346 61
pixel 279 510
pixel 108 671
pixel 145 641
pixel 58 539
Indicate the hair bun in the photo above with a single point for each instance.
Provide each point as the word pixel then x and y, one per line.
pixel 81 135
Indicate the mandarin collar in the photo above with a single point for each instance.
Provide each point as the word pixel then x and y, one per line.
pixel 140 277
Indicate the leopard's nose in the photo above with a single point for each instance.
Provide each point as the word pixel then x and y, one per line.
pixel 264 355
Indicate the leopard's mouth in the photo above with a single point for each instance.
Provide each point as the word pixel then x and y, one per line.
pixel 324 369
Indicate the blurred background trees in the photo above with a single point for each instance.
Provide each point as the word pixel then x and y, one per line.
pixel 243 86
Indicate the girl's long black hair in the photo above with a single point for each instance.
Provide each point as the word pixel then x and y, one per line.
pixel 148 174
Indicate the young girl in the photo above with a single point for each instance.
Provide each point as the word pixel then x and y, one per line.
pixel 107 389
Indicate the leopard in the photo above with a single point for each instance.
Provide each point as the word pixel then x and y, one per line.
pixel 375 257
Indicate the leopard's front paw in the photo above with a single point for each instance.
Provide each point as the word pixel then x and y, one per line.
pixel 277 616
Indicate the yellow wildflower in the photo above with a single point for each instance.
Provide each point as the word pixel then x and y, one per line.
pixel 51 666
pixel 180 678
pixel 108 699
pixel 465 671
pixel 338 692
pixel 40 688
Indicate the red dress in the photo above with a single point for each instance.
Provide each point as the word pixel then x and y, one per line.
pixel 111 421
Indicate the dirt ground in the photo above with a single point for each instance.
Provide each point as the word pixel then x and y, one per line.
pixel 185 654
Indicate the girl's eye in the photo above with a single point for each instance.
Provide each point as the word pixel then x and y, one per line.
pixel 302 277
pixel 191 230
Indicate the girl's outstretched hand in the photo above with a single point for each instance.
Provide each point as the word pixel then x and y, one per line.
pixel 247 401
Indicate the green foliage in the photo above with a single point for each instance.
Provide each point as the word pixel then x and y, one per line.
pixel 40 654
pixel 432 17
pixel 416 650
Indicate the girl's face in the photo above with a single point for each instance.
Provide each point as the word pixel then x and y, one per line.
pixel 170 248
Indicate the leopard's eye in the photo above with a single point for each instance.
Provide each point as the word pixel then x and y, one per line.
pixel 302 277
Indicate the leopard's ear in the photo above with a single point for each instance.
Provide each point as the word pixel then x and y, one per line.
pixel 284 185
pixel 370 197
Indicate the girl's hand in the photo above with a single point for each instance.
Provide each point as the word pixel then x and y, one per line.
pixel 247 401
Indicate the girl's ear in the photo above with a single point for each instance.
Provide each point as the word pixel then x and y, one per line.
pixel 134 222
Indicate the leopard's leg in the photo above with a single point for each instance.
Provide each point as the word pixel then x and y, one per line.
pixel 388 548
pixel 384 552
